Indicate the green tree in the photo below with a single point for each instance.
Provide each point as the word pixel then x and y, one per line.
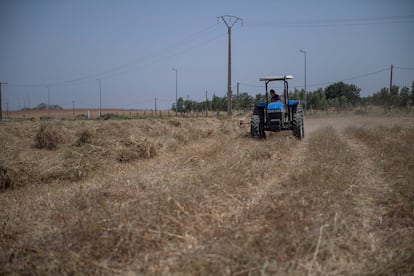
pixel 259 97
pixel 218 103
pixel 412 93
pixel 394 97
pixel 322 101
pixel 384 98
pixel 317 99
pixel 350 91
pixel 188 106
pixel 404 97
pixel 339 103
pixel 297 95
pixel 44 106
pixel 180 104
pixel 246 101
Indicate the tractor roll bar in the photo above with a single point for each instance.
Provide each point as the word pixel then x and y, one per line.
pixel 278 78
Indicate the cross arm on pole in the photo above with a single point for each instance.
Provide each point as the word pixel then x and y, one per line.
pixel 230 20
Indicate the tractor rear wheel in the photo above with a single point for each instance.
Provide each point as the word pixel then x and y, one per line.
pixel 298 126
pixel 256 127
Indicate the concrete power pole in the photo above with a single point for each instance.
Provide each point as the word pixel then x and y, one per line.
pixel 48 102
pixel 238 96
pixel 306 101
pixel 391 78
pixel 100 97
pixel 206 104
pixel 1 110
pixel 230 21
pixel 176 91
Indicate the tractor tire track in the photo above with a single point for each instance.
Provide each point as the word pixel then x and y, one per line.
pixel 367 189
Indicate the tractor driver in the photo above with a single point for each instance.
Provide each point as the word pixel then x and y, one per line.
pixel 274 97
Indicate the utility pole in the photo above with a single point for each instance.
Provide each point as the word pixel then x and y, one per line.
pixel 238 96
pixel 230 21
pixel 100 97
pixel 391 78
pixel 48 101
pixel 188 103
pixel 155 104
pixel 1 110
pixel 206 105
pixel 176 91
pixel 303 51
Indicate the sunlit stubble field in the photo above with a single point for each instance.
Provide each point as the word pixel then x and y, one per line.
pixel 199 196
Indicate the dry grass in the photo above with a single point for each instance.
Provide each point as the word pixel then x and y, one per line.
pixel 393 149
pixel 83 149
pixel 84 137
pixel 199 196
pixel 47 137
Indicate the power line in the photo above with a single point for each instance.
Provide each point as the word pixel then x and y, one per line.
pixel 404 68
pixel 330 82
pixel 167 55
pixel 366 75
pixel 140 60
pixel 351 78
pixel 409 18
pixel 165 52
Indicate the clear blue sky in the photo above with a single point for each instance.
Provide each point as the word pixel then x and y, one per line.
pixel 132 47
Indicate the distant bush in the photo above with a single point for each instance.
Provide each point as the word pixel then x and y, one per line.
pixel 44 106
pixel 5 179
pixel 131 150
pixel 112 116
pixel 47 137
pixel 84 137
pixel 174 123
pixel 81 116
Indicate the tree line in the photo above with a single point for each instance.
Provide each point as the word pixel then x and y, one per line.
pixel 339 96
pixel 44 106
pixel 243 101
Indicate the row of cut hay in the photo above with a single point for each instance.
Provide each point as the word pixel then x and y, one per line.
pixel 168 208
pixel 277 232
pixel 72 150
pixel 224 204
pixel 305 224
pixel 194 208
pixel 134 219
pixel 392 148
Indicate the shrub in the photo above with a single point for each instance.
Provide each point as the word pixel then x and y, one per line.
pixel 174 123
pixel 47 137
pixel 5 180
pixel 84 137
pixel 134 149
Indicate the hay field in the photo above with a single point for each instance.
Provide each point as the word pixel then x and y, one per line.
pixel 199 196
pixel 94 113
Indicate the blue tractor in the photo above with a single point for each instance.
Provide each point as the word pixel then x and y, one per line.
pixel 277 114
